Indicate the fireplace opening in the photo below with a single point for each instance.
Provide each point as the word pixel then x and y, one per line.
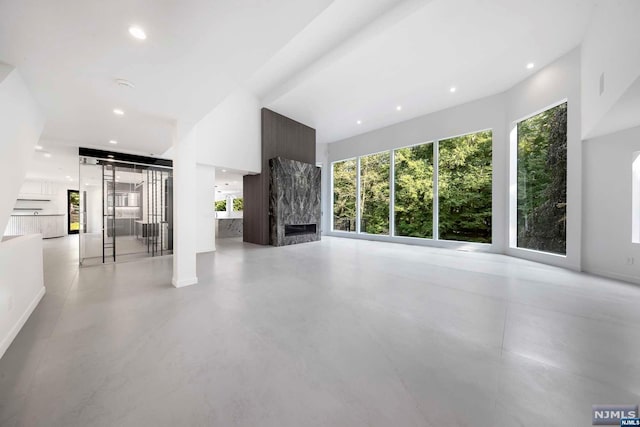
pixel 299 229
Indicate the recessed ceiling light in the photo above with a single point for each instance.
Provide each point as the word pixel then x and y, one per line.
pixel 137 32
pixel 399 108
pixel 359 122
pixel 110 156
pixel 68 177
pixel 47 154
pixel 38 147
pixel 113 141
pixel 452 89
pixel 530 65
pixel 118 112
pixel 224 170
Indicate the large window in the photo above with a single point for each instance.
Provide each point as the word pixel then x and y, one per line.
pixel 464 188
pixel 414 191
pixel 374 193
pixel 344 195
pixel 542 181
pixel 459 183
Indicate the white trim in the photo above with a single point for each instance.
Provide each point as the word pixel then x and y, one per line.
pixel 541 110
pixel 634 280
pixel 392 193
pixel 6 342
pixel 538 256
pixel 184 282
pixel 358 213
pixel 331 201
pixel 635 198
pixel 435 205
pixel 419 241
pixel 512 202
pixel 513 249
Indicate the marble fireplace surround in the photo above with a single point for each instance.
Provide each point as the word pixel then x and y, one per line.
pixel 294 202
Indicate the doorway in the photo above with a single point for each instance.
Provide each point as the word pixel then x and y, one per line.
pixel 73 211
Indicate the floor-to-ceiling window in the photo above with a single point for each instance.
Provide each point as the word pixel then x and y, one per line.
pixel 542 181
pixel 461 183
pixel 374 193
pixel 464 188
pixel 345 174
pixel 413 168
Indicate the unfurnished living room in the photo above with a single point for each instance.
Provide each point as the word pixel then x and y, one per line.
pixel 320 213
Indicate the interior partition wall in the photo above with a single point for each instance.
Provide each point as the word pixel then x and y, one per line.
pixel 126 208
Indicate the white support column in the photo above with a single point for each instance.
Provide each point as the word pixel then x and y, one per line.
pixel 229 200
pixel 206 199
pixel 185 210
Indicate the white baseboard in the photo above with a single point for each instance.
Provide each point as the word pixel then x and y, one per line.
pixel 184 282
pixel 611 275
pixel 6 342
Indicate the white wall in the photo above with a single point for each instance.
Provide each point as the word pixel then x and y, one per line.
pixel 546 87
pixel 558 81
pixel 607 206
pixel 21 284
pixel 610 46
pixel 21 124
pixel 487 113
pixel 206 216
pixel 322 158
pixel 230 135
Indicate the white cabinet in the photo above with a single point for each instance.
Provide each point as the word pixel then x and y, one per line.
pixel 47 225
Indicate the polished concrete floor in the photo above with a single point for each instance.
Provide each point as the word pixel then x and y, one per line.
pixel 334 333
pixel 127 248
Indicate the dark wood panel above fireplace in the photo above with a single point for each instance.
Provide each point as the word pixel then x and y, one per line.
pixel 281 137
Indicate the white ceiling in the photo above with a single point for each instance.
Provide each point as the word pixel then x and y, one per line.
pixel 228 183
pixel 197 51
pixel 324 63
pixel 479 46
pixel 62 163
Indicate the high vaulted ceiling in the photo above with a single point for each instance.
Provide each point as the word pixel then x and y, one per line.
pixel 414 53
pixel 197 51
pixel 328 64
